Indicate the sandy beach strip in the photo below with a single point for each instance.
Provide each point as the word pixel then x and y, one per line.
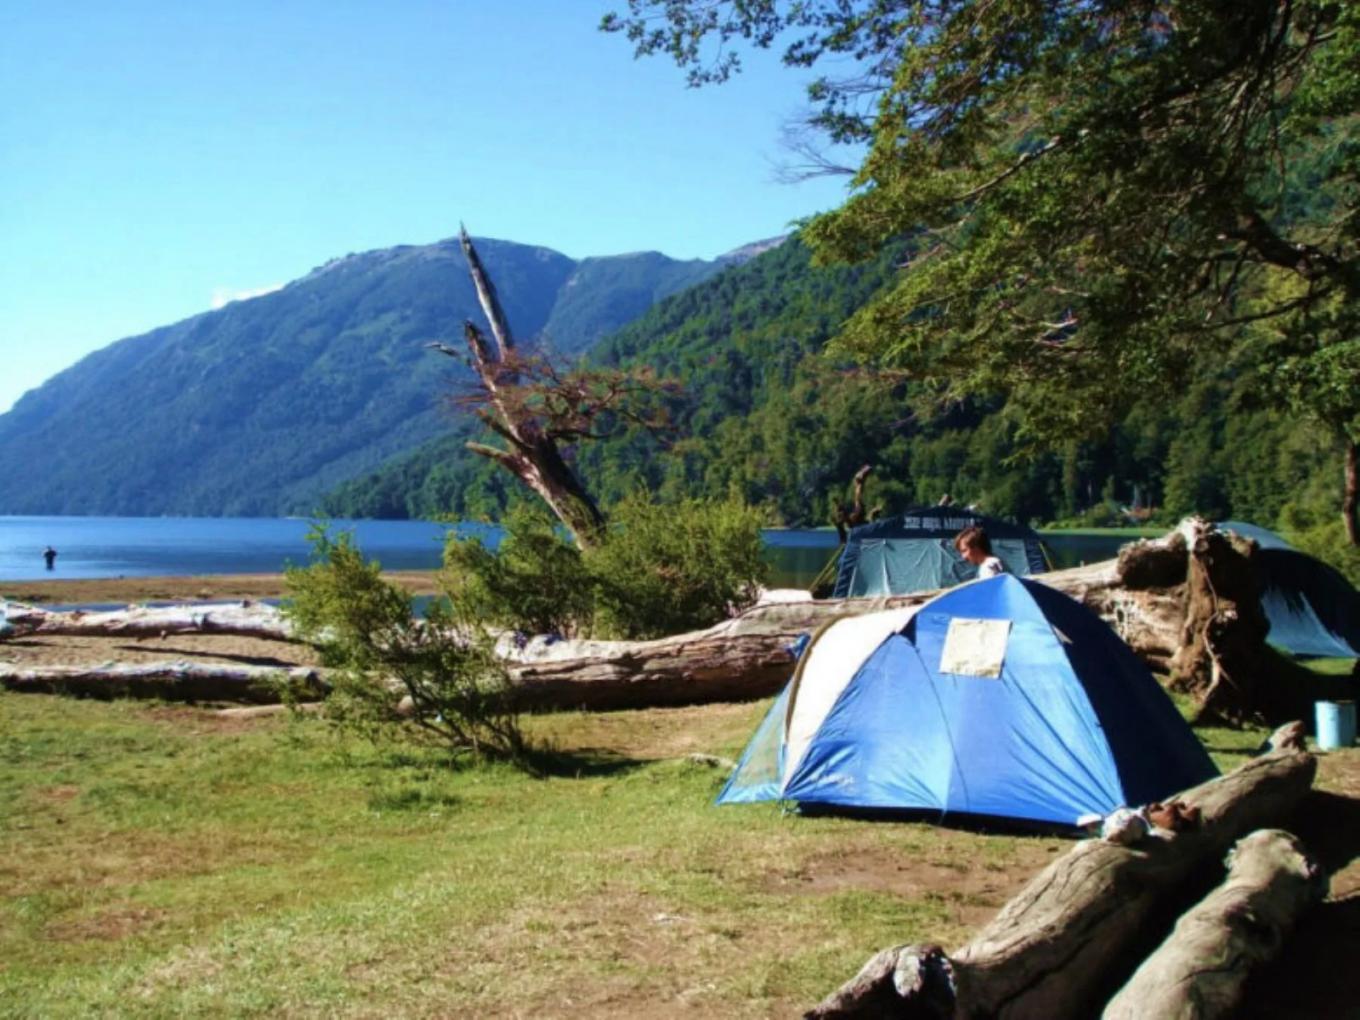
pixel 206 588
pixel 36 651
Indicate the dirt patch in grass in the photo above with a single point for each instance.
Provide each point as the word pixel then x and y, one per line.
pixel 620 953
pixel 653 733
pixel 205 722
pixel 106 925
pixel 970 890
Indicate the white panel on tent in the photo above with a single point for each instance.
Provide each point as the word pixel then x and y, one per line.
pixel 828 665
pixel 974 647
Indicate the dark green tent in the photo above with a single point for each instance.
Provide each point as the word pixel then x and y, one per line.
pixel 914 551
pixel 1313 610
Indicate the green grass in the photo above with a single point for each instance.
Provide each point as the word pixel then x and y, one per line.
pixel 155 861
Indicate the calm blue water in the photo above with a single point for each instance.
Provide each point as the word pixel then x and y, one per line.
pixel 170 546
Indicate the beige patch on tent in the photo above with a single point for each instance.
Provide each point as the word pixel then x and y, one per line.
pixel 975 647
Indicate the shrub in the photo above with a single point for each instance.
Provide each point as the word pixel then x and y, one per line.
pixel 660 569
pixel 535 581
pixel 668 568
pixel 393 673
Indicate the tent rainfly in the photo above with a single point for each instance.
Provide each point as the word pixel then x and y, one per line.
pixel 914 551
pixel 1001 697
pixel 1313 610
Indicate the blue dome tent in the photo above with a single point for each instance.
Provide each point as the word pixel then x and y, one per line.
pixel 1313 610
pixel 1001 697
pixel 914 551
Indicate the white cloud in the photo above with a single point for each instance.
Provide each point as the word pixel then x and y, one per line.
pixel 223 296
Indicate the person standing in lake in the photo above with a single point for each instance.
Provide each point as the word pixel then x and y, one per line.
pixel 974 546
pixel 50 555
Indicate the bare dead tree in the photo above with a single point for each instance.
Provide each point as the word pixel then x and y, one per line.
pixel 537 409
pixel 845 518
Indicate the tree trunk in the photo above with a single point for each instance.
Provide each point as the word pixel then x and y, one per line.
pixel 748 656
pixel 1198 973
pixel 533 456
pixel 1350 498
pixel 1223 660
pixel 175 681
pixel 244 619
pixel 844 519
pixel 1065 941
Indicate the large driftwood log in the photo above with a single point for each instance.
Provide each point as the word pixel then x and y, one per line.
pixel 1222 659
pixel 745 657
pixel 1199 971
pixel 748 656
pixel 244 619
pixel 179 681
pixel 1063 943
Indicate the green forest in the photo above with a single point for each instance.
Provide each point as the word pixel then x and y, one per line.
pixel 766 413
pixel 1095 266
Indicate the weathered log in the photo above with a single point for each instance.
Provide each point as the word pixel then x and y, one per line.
pixel 179 681
pixel 1222 659
pixel 1062 944
pixel 745 657
pixel 1199 971
pixel 749 657
pixel 244 619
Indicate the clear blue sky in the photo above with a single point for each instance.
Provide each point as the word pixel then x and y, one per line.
pixel 158 156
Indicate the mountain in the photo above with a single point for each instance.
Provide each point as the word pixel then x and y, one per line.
pixel 260 406
pixel 768 413
pixel 736 343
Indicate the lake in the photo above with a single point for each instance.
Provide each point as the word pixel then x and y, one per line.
pixel 90 547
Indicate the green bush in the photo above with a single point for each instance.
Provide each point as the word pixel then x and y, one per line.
pixel 669 568
pixel 535 582
pixel 660 569
pixel 393 674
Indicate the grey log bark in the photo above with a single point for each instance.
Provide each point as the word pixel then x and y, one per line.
pixel 748 656
pixel 243 619
pixel 1050 951
pixel 177 681
pixel 1199 971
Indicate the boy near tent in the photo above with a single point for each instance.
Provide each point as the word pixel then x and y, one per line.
pixel 974 546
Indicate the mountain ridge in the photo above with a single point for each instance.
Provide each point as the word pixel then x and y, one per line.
pixel 259 406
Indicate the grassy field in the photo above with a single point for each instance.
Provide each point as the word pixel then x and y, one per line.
pixel 159 860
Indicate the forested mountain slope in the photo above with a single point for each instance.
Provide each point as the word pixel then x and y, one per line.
pixel 258 407
pixel 764 413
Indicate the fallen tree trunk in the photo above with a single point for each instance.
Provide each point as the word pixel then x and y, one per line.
pixel 742 658
pixel 244 619
pixel 749 657
pixel 1050 951
pixel 177 681
pixel 1198 972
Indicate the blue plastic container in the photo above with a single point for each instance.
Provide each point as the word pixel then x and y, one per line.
pixel 1335 724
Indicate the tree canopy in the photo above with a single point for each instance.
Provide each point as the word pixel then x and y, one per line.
pixel 1104 199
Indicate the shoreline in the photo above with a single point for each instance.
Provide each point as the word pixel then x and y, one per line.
pixel 187 588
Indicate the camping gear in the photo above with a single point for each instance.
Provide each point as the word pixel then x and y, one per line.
pixel 1313 610
pixel 1000 697
pixel 1335 724
pixel 914 551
